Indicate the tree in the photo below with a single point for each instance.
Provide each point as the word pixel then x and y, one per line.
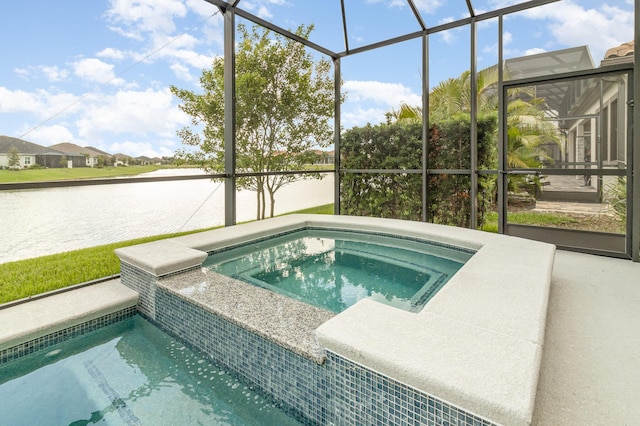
pixel 13 158
pixel 284 103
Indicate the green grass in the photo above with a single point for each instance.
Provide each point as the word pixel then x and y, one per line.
pixel 45 175
pixel 42 175
pixel 529 218
pixel 29 277
pixel 326 209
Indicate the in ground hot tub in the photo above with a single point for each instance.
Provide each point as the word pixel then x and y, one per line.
pixel 471 355
pixel 334 269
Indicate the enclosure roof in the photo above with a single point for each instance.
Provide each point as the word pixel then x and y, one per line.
pixel 550 63
pixel 342 27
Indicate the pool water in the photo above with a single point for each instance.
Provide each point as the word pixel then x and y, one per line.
pixel 334 269
pixel 130 373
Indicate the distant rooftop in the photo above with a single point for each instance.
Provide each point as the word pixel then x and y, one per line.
pixel 619 54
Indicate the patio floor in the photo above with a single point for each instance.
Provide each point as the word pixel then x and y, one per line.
pixel 591 357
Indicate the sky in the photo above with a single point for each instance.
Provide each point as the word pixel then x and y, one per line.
pixel 97 73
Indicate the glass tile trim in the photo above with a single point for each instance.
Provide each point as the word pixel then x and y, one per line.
pixel 51 339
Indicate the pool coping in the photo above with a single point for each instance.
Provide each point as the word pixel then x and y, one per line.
pixel 45 316
pixel 476 345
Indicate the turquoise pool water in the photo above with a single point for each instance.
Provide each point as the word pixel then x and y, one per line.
pixel 130 373
pixel 334 269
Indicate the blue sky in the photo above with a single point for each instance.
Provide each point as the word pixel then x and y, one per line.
pixel 97 73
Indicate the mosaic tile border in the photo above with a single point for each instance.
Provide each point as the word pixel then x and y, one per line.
pixel 368 397
pixel 49 340
pixel 255 360
pixel 337 392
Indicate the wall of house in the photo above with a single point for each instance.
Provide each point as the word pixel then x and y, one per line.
pixel 584 134
pixel 25 161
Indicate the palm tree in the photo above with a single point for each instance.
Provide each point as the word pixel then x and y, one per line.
pixel 527 127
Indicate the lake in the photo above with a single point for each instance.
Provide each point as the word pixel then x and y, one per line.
pixel 38 222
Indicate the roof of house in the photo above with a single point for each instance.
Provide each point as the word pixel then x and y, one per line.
pixel 25 147
pixel 71 148
pixel 99 151
pixel 619 54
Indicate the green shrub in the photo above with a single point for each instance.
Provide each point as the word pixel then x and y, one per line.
pixel 398 145
pixel 616 196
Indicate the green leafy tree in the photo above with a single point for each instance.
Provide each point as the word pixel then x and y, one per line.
pixel 284 103
pixel 63 161
pixel 13 158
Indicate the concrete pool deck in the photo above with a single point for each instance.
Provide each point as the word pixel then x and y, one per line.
pixel 590 363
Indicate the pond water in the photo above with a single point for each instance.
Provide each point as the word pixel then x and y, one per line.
pixel 38 222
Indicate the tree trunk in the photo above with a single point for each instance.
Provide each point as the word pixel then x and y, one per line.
pixel 272 198
pixel 258 202
pixel 259 198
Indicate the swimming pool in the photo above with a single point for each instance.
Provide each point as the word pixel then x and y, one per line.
pixel 471 356
pixel 128 373
pixel 334 269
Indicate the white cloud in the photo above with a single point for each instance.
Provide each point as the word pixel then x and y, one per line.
pixel 148 115
pixel 134 17
pixel 182 49
pixel 264 12
pixel 427 6
pixel 361 116
pixel 262 8
pixel 149 112
pixel 49 135
pixel 182 72
pixel 155 24
pixel 448 36
pixel 23 73
pixel 385 94
pixel 40 103
pixel 573 25
pixel 54 73
pixel 111 53
pixel 95 70
pixel 202 8
pixel 146 148
pixel 534 51
pixel 368 101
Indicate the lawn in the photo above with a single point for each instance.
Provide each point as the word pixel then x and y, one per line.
pixel 43 175
pixel 46 175
pixel 594 223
